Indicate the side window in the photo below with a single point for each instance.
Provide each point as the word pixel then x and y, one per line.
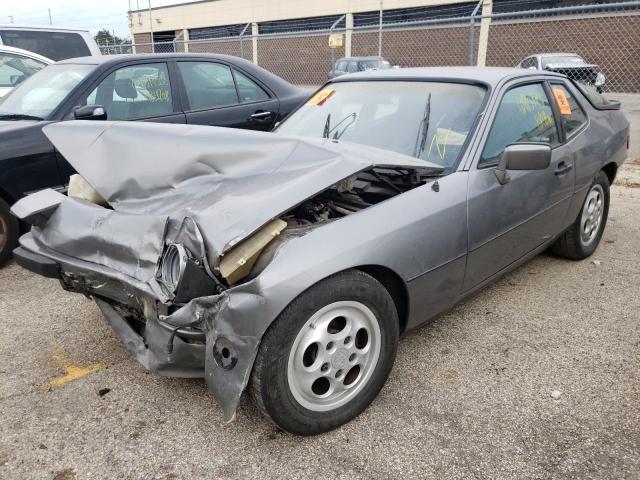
pixel 529 62
pixel 524 115
pixel 14 69
pixel 249 90
pixel 208 84
pixel 352 67
pixel 340 66
pixel 571 114
pixel 137 91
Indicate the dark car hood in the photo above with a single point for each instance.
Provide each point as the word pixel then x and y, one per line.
pixel 229 182
pixel 7 126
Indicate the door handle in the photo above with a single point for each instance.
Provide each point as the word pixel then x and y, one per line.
pixel 563 168
pixel 261 115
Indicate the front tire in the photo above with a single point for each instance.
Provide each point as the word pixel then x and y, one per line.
pixel 327 355
pixel 9 230
pixel 583 237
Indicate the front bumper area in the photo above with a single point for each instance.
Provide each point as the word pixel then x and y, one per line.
pixel 214 336
pixel 160 347
pixel 157 349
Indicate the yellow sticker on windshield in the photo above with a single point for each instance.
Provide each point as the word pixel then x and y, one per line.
pixel 320 98
pixel 563 103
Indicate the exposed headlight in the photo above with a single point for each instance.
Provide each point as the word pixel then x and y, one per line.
pixel 172 266
pixel 80 188
pixel 600 78
pixel 185 276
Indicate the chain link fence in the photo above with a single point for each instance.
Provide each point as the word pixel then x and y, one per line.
pixel 606 36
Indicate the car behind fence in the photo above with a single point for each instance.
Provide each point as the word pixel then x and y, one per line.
pixel 606 35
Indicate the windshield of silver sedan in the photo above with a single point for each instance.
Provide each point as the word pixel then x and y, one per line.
pixel 426 120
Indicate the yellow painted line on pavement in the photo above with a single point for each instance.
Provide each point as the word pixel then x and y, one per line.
pixel 72 372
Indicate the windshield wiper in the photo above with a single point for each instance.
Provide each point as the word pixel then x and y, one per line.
pixel 19 116
pixel 336 136
pixel 327 127
pixel 421 141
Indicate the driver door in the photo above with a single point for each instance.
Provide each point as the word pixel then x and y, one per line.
pixel 506 222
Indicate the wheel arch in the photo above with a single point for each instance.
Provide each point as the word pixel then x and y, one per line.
pixel 4 195
pixel 395 285
pixel 611 170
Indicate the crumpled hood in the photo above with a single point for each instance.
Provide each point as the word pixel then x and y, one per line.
pixel 230 182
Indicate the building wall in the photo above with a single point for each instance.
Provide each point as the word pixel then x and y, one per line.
pixel 229 12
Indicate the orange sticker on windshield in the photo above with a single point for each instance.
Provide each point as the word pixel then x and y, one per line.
pixel 561 100
pixel 320 98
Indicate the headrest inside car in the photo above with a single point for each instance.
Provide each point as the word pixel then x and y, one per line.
pixel 124 88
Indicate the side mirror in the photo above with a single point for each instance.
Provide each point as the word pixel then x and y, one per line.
pixel 532 67
pixel 90 112
pixel 523 156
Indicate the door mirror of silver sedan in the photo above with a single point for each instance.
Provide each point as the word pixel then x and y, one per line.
pixel 523 156
pixel 90 112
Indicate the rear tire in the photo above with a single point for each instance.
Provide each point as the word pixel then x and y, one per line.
pixel 327 355
pixel 9 230
pixel 583 237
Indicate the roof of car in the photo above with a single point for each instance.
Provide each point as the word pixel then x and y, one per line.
pixel 26 53
pixel 111 59
pixel 49 28
pixel 279 85
pixel 488 75
pixel 559 54
pixel 371 57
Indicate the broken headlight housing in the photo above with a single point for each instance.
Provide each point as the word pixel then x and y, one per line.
pixel 183 275
pixel 172 266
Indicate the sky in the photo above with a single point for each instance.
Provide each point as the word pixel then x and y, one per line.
pixel 93 15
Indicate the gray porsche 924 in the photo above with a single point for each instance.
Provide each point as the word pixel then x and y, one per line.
pixel 291 262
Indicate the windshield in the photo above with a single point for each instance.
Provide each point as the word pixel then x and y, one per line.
pixel 426 120
pixel 364 65
pixel 562 60
pixel 16 68
pixel 40 94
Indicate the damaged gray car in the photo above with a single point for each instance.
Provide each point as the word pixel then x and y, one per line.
pixel 289 263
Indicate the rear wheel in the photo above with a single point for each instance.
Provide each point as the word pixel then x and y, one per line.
pixel 583 237
pixel 328 354
pixel 9 230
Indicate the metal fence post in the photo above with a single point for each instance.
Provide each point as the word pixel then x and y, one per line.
pixel 472 34
pixel 333 50
pixel 244 30
pixel 380 31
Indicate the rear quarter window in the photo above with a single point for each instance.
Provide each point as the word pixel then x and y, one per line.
pixel 572 116
pixel 54 45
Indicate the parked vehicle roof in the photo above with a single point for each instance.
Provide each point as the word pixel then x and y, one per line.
pixel 488 75
pixel 49 28
pixel 106 61
pixel 25 53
